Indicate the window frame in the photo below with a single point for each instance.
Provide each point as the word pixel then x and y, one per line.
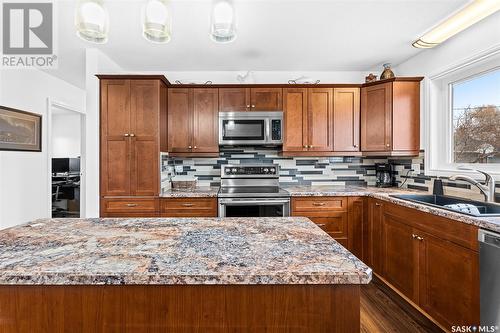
pixel 438 116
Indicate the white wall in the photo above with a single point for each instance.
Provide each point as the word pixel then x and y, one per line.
pixel 66 135
pixel 473 41
pixel 24 175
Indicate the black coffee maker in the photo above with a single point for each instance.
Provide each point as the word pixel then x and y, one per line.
pixel 385 174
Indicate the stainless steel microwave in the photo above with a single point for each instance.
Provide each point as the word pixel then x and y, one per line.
pixel 251 128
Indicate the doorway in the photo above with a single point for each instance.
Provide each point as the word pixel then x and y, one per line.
pixel 66 161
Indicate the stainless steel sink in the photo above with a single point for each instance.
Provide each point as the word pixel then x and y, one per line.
pixel 486 209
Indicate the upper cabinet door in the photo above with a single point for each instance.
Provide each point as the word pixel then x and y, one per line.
pixel 320 119
pixel 234 99
pixel 115 107
pixel 266 99
pixel 376 117
pixel 115 137
pixel 145 108
pixel 346 119
pixel 295 119
pixel 180 120
pixel 205 121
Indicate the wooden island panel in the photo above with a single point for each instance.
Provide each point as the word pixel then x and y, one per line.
pixel 180 309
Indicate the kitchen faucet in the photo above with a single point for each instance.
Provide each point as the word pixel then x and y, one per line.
pixel 488 189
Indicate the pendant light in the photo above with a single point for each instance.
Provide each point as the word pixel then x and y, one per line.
pixel 223 25
pixel 156 21
pixel 92 21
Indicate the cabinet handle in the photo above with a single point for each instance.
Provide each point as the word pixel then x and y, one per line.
pixel 187 204
pixel 355 146
pixel 417 237
pixel 320 224
pixel 318 204
pixel 305 146
pixel 132 135
pixel 195 147
pixel 126 134
pixel 248 105
pixel 253 106
pixel 132 205
pixel 377 204
pixel 190 147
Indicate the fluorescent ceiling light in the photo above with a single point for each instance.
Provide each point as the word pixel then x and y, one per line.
pixel 467 16
pixel 92 21
pixel 156 21
pixel 223 26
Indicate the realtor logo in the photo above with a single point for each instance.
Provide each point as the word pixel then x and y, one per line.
pixel 28 35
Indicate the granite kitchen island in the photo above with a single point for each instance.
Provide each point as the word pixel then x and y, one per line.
pixel 177 275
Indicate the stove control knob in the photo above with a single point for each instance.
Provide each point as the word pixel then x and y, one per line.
pixel 266 170
pixel 273 170
pixel 234 170
pixel 227 170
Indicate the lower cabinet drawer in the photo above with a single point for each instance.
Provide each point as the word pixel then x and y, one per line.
pixel 134 206
pixel 188 207
pixel 314 204
pixel 335 224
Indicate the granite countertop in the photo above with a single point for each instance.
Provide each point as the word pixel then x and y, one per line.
pixel 170 251
pixel 198 192
pixel 490 223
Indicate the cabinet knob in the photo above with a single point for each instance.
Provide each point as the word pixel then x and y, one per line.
pixel 355 146
pixel 126 135
pixel 309 146
pixel 305 146
pixel 195 147
pixel 377 204
pixel 248 105
pixel 253 106
pixel 132 135
pixel 387 145
pixel 190 147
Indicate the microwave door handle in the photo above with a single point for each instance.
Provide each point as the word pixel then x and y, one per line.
pixel 267 129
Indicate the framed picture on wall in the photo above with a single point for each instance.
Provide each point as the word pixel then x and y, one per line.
pixel 20 130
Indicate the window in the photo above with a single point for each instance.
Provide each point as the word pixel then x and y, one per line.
pixel 475 114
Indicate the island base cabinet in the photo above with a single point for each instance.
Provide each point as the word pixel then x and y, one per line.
pixel 180 309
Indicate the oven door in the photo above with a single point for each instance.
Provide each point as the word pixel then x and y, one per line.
pixel 258 207
pixel 242 131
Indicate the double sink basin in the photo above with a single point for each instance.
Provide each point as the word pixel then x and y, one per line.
pixel 485 209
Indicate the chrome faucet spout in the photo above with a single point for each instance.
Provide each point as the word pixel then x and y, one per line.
pixel 488 189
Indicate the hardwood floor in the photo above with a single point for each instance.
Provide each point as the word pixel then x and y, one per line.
pixel 382 310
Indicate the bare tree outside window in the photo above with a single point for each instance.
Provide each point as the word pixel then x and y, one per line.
pixel 476 126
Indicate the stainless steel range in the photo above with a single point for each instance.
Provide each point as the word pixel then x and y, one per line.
pixel 249 190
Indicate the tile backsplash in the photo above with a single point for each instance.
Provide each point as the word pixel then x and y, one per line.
pixel 315 170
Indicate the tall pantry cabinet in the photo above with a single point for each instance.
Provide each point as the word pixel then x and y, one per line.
pixel 132 111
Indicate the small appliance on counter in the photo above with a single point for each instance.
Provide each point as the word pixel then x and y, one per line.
pixel 384 174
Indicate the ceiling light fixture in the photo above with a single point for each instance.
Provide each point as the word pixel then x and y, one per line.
pixel 223 25
pixel 92 21
pixel 467 16
pixel 156 21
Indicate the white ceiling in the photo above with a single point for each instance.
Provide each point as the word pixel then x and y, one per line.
pixel 273 35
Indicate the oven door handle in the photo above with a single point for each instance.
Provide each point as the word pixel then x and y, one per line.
pixel 253 202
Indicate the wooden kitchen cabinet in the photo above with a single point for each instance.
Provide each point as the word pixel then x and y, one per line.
pixel 374 241
pixel 329 213
pixel 132 110
pixel 188 207
pixel 390 117
pixel 431 260
pixel 193 121
pixel 357 229
pixel 250 99
pixel 448 281
pixel 308 115
pixel 399 255
pixel 346 120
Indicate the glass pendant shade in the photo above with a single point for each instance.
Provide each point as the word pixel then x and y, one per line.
pixel 92 21
pixel 223 25
pixel 156 26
